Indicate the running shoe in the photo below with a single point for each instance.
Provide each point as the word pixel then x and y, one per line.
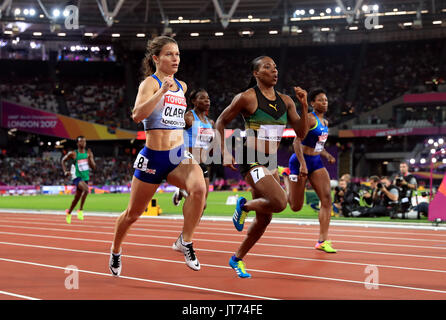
pixel 239 267
pixel 189 253
pixel 177 196
pixel 314 206
pixel 283 171
pixel 239 215
pixel 176 244
pixel 80 214
pixel 67 216
pixel 325 246
pixel 115 264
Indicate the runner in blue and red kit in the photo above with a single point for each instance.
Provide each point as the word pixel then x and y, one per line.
pixel 306 163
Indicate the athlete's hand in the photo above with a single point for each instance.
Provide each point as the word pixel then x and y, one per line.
pixel 331 159
pixel 229 161
pixel 301 95
pixel 303 171
pixel 66 173
pixel 167 83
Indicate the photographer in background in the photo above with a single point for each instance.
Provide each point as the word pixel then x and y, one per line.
pixel 351 195
pixel 338 202
pixel 383 197
pixel 371 197
pixel 407 184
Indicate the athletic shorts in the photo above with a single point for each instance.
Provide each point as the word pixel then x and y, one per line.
pixel 152 166
pixel 313 163
pixel 77 180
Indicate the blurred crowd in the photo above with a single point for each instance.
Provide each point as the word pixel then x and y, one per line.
pixel 45 171
pixel 97 103
pixel 387 72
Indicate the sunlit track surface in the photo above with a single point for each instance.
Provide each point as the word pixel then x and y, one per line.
pixel 38 250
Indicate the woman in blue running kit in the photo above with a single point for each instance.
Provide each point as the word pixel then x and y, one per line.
pixel 198 136
pixel 306 163
pixel 161 105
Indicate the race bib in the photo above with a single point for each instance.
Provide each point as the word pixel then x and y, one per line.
pixel 257 174
pixel 204 137
pixel 82 164
pixel 174 110
pixel 270 132
pixel 320 144
pixel 141 162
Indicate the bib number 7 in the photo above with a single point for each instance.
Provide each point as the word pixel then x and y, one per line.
pixel 257 174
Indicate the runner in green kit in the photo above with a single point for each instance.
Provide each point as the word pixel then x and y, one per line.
pixel 80 173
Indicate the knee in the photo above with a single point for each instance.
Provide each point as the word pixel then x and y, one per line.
pixel 296 206
pixel 326 201
pixel 131 217
pixel 279 204
pixel 197 190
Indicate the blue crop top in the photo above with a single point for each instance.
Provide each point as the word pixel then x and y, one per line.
pixel 316 136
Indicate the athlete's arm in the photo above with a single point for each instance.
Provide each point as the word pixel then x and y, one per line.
pixel 299 124
pixel 148 96
pixel 297 146
pixel 189 119
pixel 328 156
pixel 91 161
pixel 69 155
pixel 237 106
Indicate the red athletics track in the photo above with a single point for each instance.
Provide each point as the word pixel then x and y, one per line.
pixel 35 249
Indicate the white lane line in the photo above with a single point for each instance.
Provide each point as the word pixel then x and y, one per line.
pixel 137 279
pixel 276 220
pixel 17 295
pixel 96 224
pixel 242 235
pixel 273 228
pixel 209 265
pixel 230 252
pixel 235 242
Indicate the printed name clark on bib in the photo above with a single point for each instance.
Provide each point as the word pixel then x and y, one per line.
pixel 174 110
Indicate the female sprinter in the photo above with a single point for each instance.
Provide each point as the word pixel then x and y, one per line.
pixel 266 113
pixel 198 135
pixel 160 105
pixel 306 162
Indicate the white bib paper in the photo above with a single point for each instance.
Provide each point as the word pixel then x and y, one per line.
pixel 204 137
pixel 270 132
pixel 257 174
pixel 141 162
pixel 173 111
pixel 320 144
pixel 82 164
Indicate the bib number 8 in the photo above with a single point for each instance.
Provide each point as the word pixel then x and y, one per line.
pixel 141 163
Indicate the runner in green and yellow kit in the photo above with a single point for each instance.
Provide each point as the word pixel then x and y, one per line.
pixel 80 173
